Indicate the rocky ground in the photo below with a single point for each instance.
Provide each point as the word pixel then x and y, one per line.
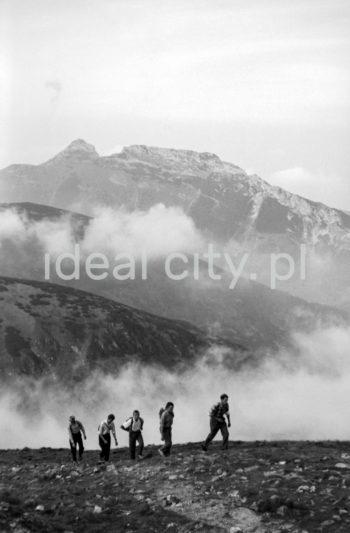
pixel 262 487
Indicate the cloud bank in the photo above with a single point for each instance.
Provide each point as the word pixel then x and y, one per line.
pixel 158 231
pixel 299 394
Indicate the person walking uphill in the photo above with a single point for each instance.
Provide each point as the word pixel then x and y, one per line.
pixel 134 425
pixel 217 422
pixel 104 436
pixel 75 429
pixel 166 422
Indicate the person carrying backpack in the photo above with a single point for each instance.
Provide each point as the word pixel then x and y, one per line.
pixel 217 422
pixel 134 425
pixel 75 429
pixel 166 421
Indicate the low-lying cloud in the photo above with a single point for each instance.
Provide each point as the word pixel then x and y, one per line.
pixel 297 394
pixel 158 231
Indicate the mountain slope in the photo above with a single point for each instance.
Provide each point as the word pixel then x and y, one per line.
pixel 251 314
pixel 49 330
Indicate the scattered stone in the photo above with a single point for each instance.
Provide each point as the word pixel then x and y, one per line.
pixel 327 523
pixel 303 488
pixel 342 465
pixel 40 508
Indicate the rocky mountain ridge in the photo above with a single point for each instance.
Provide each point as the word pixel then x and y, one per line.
pixel 197 182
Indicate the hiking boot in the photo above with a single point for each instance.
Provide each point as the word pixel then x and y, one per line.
pixel 204 448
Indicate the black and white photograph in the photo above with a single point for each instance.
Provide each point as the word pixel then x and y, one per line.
pixel 174 266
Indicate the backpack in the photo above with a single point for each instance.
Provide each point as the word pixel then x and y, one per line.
pixel 161 411
pixel 129 428
pixel 124 423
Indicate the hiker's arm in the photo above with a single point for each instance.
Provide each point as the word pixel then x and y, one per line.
pixel 114 435
pixel 161 427
pixel 101 433
pixel 70 435
pixel 83 430
pixel 228 419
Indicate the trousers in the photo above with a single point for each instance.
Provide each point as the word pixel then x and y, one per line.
pixel 135 436
pixel 215 426
pixel 77 440
pixel 167 441
pixel 105 446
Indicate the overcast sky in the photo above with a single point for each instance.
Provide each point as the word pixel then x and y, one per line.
pixel 262 83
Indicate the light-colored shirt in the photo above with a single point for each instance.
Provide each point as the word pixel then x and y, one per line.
pixel 105 428
pixel 136 425
pixel 74 428
pixel 133 425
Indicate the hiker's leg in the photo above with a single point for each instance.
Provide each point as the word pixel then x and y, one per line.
pixel 214 428
pixel 164 447
pixel 167 441
pixel 224 433
pixel 132 444
pixel 141 444
pixel 170 442
pixel 73 450
pixel 80 444
pixel 107 446
pixel 102 446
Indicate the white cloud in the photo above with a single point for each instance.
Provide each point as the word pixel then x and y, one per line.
pixel 159 231
pixel 328 188
pixel 56 236
pixel 11 226
pixel 301 394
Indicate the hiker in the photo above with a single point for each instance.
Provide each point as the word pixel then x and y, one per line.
pixel 166 422
pixel 217 422
pixel 104 436
pixel 75 429
pixel 134 425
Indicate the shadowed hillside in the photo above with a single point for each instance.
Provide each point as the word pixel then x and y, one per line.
pixel 48 329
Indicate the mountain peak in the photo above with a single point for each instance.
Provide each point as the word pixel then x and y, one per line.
pixel 156 155
pixel 79 148
pixel 79 145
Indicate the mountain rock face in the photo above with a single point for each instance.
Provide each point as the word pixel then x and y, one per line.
pixel 221 198
pixel 51 331
pixel 242 212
